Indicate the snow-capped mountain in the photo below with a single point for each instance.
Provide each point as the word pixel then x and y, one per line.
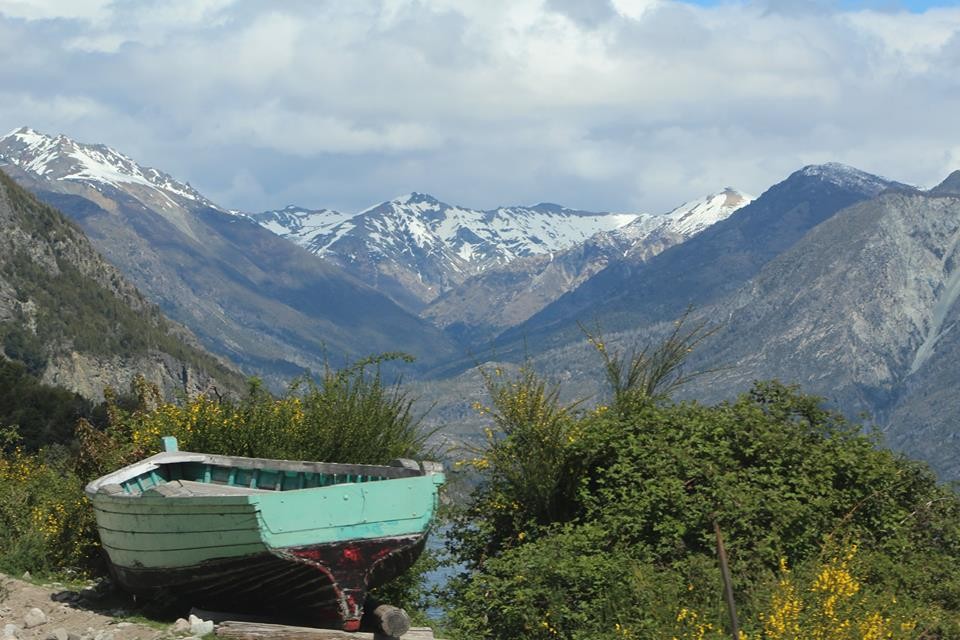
pixel 695 216
pixel 273 308
pixel 504 295
pixel 301 225
pixel 105 170
pixel 647 232
pixel 415 247
pixel 61 158
pixel 847 177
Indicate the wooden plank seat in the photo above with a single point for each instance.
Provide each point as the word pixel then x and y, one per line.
pixel 187 488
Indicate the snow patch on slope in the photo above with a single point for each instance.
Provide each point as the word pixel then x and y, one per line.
pixel 61 158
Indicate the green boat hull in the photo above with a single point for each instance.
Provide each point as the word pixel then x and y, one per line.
pixel 302 539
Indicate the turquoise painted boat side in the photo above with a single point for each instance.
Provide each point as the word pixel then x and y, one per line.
pixel 153 531
pixel 157 531
pixel 249 506
pixel 164 522
pixel 151 541
pixel 147 504
pixel 180 557
pixel 388 508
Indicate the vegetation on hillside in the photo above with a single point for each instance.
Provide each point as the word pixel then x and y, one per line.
pixel 44 414
pixel 69 309
pixel 599 523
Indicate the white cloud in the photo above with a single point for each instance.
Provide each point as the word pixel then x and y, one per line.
pixel 636 104
pixel 88 10
pixel 305 134
pixel 635 9
pixel 21 108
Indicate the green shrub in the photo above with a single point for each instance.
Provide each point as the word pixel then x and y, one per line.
pixel 642 483
pixel 349 415
pixel 528 475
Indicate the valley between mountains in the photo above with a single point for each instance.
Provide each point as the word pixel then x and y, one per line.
pixel 835 279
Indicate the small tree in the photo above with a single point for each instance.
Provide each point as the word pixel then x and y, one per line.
pixel 648 372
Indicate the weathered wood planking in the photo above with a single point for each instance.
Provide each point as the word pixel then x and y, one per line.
pixel 262 631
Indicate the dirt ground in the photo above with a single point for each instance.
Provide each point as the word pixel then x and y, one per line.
pixel 30 611
pixel 88 612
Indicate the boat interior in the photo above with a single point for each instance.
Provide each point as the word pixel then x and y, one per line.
pixel 192 478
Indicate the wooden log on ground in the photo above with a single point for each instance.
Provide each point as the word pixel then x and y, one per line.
pixel 392 621
pixel 224 616
pixel 261 631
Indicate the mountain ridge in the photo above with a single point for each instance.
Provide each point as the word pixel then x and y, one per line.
pixel 863 311
pixel 505 295
pixel 250 296
pixel 710 265
pixel 415 247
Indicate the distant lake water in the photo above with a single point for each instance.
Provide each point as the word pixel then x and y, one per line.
pixel 439 577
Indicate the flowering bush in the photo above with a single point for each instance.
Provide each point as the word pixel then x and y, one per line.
pixel 45 519
pixel 833 604
pixel 349 415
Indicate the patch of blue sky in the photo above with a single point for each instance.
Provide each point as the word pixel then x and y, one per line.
pixel 915 6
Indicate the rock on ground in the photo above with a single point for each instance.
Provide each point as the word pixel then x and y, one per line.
pixel 200 627
pixel 34 618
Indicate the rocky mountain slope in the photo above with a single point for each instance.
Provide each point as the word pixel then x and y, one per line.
pixel 76 322
pixel 503 296
pixel 249 295
pixel 862 307
pixel 711 265
pixel 864 311
pixel 414 248
pixel 720 273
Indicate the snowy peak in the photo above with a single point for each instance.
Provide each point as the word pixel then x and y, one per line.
pixel 414 198
pixel 498 235
pixel 848 177
pixel 62 158
pixel 416 238
pixel 426 246
pixel 693 217
pixel 683 222
pixel 414 201
pixel 301 224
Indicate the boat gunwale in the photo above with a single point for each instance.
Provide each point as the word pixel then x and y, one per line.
pixel 387 472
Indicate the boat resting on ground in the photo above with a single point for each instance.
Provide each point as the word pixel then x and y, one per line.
pixel 302 539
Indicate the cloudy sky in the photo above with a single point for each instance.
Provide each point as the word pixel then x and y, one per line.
pixel 623 105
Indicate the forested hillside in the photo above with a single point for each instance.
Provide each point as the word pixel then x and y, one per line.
pixel 73 320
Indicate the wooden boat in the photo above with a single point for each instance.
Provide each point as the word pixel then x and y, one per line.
pixel 297 539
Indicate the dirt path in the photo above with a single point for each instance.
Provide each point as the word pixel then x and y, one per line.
pixel 55 612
